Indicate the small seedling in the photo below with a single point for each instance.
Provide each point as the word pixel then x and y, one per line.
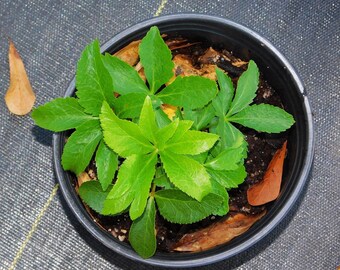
pixel 181 167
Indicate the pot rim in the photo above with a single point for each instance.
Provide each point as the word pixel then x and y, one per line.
pixel 263 231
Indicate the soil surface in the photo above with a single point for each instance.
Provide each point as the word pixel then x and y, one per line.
pixel 198 58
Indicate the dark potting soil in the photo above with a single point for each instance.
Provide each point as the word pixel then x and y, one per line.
pixel 261 148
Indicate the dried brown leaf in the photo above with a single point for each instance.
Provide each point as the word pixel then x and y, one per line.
pixel 129 53
pixel 208 71
pixel 217 233
pixel 169 110
pixel 138 66
pixel 179 43
pixel 239 63
pixel 20 97
pixel 268 189
pixel 173 42
pixel 141 74
pixel 210 56
pixel 184 67
pixel 82 178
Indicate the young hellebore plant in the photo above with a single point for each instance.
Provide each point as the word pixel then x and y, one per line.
pixel 181 168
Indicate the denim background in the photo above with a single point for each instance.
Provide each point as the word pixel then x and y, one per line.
pixel 37 230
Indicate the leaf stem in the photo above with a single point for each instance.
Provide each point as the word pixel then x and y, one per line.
pixel 153 190
pixel 152 89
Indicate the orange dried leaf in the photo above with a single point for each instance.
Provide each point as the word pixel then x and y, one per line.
pixel 179 43
pixel 169 110
pixel 184 67
pixel 20 97
pixel 269 188
pixel 209 71
pixel 210 56
pixel 141 74
pixel 129 53
pixel 239 63
pixel 218 233
pixel 83 177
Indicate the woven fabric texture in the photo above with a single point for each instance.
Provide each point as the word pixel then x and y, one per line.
pixel 37 230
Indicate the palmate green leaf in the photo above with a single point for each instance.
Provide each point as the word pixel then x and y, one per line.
pixel 80 146
pixel 147 121
pixel 246 89
pixel 176 206
pixel 228 159
pixel 92 194
pixel 222 101
pixel 186 174
pixel 221 191
pixel 156 59
pixel 122 136
pixel 142 235
pixel 192 143
pixel 93 81
pixel 201 117
pixel 190 92
pixel 129 105
pixel 60 114
pixel 125 79
pixel 264 118
pixel 229 179
pixel 132 186
pixel 107 164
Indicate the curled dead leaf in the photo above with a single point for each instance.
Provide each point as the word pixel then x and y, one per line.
pixel 217 233
pixel 239 63
pixel 138 66
pixel 210 56
pixel 179 43
pixel 82 178
pixel 129 53
pixel 141 74
pixel 208 71
pixel 268 189
pixel 184 67
pixel 229 63
pixel 20 97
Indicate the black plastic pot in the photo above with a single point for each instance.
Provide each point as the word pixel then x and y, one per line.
pixel 246 44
